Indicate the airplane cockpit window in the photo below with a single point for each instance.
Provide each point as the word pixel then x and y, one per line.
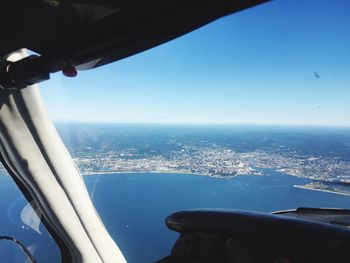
pixel 250 112
pixel 23 236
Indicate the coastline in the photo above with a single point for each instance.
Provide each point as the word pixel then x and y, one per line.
pixel 132 172
pixel 321 190
pixel 160 172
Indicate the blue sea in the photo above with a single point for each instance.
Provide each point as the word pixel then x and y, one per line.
pixel 134 207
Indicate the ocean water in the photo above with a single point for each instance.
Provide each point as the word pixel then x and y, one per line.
pixel 134 206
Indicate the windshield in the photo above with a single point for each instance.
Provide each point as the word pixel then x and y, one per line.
pixel 249 112
pixel 20 226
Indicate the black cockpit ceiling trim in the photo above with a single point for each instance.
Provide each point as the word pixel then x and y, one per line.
pixel 79 31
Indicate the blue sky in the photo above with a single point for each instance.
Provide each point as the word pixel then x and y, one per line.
pixel 284 62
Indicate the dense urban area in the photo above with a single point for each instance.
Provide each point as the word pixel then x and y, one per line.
pixel 214 161
pixel 319 154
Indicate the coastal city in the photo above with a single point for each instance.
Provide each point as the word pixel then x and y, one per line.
pixel 223 155
pixel 214 161
pixel 203 161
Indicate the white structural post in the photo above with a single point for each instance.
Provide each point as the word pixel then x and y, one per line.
pixel 33 150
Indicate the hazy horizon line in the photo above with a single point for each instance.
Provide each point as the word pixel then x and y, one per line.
pixel 202 124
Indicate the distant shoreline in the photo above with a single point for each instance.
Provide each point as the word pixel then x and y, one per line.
pixel 321 190
pixel 160 172
pixel 131 172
